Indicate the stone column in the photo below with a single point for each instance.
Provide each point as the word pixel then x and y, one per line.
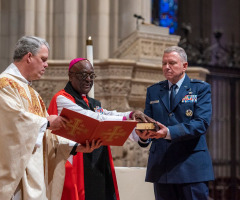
pixel 71 27
pixel 114 18
pixel 98 27
pixel 0 21
pixel 82 28
pixel 15 23
pixel 12 27
pixel 41 18
pixel 58 29
pixel 3 34
pixel 49 31
pixel 127 23
pixel 65 23
pixel 30 17
pixel 146 11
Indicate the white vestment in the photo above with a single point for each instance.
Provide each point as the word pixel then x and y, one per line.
pixel 24 157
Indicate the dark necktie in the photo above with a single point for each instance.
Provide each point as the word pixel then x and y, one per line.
pixel 172 95
pixel 85 99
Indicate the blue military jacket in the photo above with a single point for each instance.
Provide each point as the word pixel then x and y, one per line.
pixel 185 158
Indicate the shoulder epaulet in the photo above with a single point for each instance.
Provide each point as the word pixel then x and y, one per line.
pixel 196 81
pixel 159 83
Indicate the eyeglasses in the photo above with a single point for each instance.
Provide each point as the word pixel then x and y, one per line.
pixel 84 75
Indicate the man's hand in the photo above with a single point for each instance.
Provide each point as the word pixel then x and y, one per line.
pixel 141 117
pixel 57 122
pixel 88 148
pixel 162 133
pixel 144 135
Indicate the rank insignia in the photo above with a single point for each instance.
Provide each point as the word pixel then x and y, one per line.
pixel 189 113
pixel 189 99
pixel 98 109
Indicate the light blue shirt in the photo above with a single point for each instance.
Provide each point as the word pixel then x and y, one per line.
pixel 179 83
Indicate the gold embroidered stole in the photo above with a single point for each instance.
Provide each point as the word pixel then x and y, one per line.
pixel 37 105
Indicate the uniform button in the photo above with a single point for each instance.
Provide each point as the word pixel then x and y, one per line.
pixel 170 114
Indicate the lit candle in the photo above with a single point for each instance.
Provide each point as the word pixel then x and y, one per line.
pixel 89 45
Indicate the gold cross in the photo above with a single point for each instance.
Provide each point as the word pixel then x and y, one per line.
pixel 114 133
pixel 76 127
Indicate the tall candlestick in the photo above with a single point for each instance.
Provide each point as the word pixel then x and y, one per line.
pixel 89 45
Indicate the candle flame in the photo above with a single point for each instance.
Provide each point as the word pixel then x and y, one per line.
pixel 89 41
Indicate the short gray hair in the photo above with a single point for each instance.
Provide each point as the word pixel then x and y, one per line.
pixel 28 44
pixel 181 52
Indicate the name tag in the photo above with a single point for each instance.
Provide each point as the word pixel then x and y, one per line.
pixel 156 101
pixel 98 109
pixel 190 99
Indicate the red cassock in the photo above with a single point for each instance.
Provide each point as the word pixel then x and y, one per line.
pixel 74 178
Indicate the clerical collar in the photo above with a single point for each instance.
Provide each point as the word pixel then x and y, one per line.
pixel 179 83
pixel 13 70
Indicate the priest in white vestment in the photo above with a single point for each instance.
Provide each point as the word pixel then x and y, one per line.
pixel 32 159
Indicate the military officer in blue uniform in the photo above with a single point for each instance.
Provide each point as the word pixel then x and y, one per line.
pixel 179 163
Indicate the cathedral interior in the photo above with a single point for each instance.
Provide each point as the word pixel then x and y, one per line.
pixel 128 41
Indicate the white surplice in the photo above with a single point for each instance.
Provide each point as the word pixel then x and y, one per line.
pixel 24 157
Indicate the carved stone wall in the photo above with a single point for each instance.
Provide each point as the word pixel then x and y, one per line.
pixel 120 85
pixel 146 44
pixel 54 79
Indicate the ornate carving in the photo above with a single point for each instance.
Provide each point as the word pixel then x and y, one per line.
pixel 148 74
pixel 139 89
pixel 45 89
pixel 146 47
pixel 158 49
pixel 54 79
pixel 55 71
pixel 146 44
pixel 113 87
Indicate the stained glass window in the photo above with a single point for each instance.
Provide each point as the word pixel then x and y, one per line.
pixel 164 13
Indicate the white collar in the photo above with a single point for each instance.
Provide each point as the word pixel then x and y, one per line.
pixel 14 71
pixel 179 83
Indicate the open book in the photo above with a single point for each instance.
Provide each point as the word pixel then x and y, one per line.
pixel 82 128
